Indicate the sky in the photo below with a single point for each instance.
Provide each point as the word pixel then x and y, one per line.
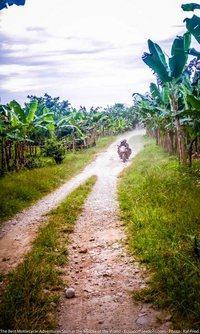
pixel 86 51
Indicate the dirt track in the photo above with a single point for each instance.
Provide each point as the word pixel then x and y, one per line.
pixel 99 269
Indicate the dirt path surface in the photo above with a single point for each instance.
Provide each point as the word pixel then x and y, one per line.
pixel 99 269
pixel 17 234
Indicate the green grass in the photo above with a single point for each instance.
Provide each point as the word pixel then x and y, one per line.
pixel 33 288
pixel 160 206
pixel 19 190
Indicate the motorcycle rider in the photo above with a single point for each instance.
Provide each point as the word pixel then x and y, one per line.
pixel 125 144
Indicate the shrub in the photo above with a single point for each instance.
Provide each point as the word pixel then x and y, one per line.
pixel 33 162
pixel 55 149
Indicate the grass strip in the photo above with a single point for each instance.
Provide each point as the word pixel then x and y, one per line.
pixel 32 291
pixel 159 202
pixel 19 190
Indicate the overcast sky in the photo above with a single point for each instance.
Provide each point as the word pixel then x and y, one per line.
pixel 86 51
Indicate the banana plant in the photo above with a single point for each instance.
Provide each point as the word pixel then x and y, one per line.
pixel 20 129
pixel 169 72
pixel 26 119
pixel 190 118
pixel 73 126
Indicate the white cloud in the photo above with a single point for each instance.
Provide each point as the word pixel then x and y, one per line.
pixel 86 50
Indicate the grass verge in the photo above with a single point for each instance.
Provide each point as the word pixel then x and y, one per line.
pixel 19 190
pixel 159 202
pixel 32 291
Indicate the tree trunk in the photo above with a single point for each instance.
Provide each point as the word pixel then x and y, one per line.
pixel 190 150
pixel 180 142
pixel 17 156
pixel 7 155
pixel 3 160
pixel 171 138
pixel 156 132
pixel 179 132
pixel 73 144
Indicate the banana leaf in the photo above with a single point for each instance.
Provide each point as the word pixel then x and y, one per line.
pixel 185 91
pixel 156 61
pixel 48 118
pixel 5 3
pixel 194 102
pixel 40 126
pixel 186 121
pixel 156 66
pixel 155 92
pixel 187 41
pixel 143 97
pixel 16 2
pixel 187 83
pixel 15 122
pixel 179 52
pixel 31 112
pixel 193 107
pixel 194 52
pixel 15 106
pixel 165 95
pixel 190 7
pixel 194 114
pixel 154 48
pixel 193 26
pixel 97 117
pixel 51 127
pixel 17 136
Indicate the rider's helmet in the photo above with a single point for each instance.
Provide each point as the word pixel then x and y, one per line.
pixel 123 142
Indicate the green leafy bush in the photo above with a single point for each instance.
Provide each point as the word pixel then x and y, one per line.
pixel 33 162
pixel 55 149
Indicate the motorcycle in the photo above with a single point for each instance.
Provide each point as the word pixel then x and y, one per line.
pixel 124 153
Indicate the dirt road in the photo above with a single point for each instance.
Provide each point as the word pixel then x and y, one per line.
pixel 99 269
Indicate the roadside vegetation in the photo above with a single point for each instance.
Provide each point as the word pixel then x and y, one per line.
pixel 47 141
pixel 33 289
pixel 19 190
pixel 48 127
pixel 159 202
pixel 159 194
pixel 170 110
